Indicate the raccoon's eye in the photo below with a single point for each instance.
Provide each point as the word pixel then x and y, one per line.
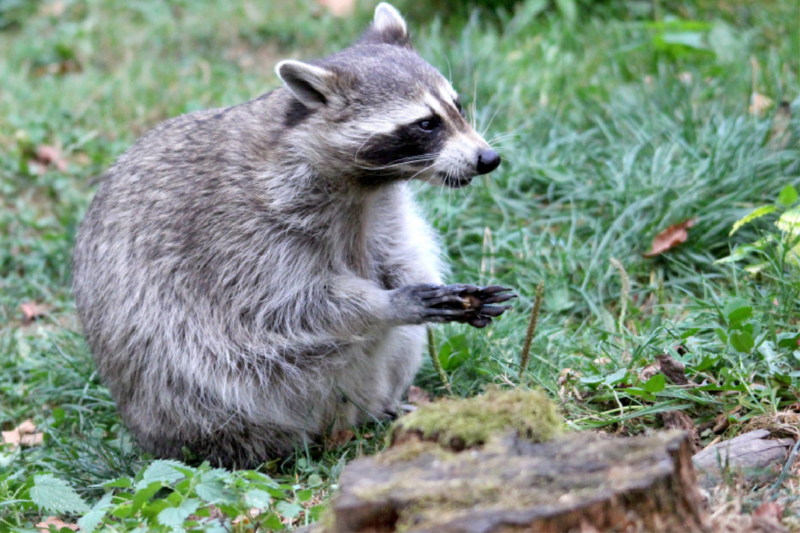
pixel 460 109
pixel 429 124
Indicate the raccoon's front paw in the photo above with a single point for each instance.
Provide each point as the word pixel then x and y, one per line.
pixel 468 304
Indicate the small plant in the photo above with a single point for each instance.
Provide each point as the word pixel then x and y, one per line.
pixel 169 496
pixel 786 244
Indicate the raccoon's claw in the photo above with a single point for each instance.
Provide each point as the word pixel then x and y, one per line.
pixel 469 304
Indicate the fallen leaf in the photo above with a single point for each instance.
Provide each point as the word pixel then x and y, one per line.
pixel 59 68
pixel 54 521
pixel 339 7
pixel 31 311
pixel 418 395
pixel 649 371
pixel 686 78
pixel 670 238
pixel 50 155
pixel 682 421
pixel 602 361
pixel 721 422
pixel 247 518
pixel 675 371
pixel 770 511
pixel 23 435
pixel 339 438
pixel 759 104
pixel 53 9
pixel 780 134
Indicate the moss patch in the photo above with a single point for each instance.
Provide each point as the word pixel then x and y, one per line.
pixel 468 423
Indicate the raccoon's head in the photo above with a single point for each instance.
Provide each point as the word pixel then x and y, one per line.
pixel 377 112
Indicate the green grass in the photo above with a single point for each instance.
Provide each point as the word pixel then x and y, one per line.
pixel 611 131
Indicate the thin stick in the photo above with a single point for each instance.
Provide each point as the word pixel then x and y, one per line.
pixel 624 293
pixel 436 363
pixel 526 347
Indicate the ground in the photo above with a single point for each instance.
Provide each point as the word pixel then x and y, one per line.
pixel 616 120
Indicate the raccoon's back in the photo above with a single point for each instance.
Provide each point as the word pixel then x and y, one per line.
pixel 161 224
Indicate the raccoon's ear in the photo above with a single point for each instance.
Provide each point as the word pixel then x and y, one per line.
pixel 312 85
pixel 388 26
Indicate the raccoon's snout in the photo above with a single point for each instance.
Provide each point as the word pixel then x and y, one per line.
pixel 488 160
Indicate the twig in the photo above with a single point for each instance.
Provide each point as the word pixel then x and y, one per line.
pixel 526 347
pixel 624 293
pixel 436 363
pixel 787 468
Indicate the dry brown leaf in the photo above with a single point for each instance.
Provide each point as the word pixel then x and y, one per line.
pixel 418 395
pixel 53 9
pixel 670 238
pixel 649 371
pixel 59 68
pixel 759 104
pixel 770 509
pixel 338 438
pixel 31 311
pixel 23 435
pixel 780 134
pixel 339 7
pixel 675 371
pixel 50 155
pixel 247 518
pixel 55 521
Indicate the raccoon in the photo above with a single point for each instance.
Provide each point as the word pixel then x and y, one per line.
pixel 254 276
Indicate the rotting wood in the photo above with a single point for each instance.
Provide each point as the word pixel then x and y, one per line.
pixel 578 481
pixel 752 452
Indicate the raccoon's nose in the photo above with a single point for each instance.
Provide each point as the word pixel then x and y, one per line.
pixel 488 160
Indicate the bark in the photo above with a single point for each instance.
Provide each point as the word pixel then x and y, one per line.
pixel 578 482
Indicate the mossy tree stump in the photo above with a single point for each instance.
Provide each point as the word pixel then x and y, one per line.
pixel 508 483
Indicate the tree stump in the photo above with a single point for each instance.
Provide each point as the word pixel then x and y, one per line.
pixel 578 482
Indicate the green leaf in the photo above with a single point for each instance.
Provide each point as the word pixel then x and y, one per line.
pixel 655 384
pixel 119 483
pixel 90 520
pixel 757 213
pixel 689 333
pixel 257 498
pixel 708 360
pixel 214 492
pixel 788 196
pixel 163 471
pixel 736 310
pixel 616 377
pixel 272 523
pixel 788 339
pixel 55 495
pixel 722 336
pixel 454 353
pixel 175 516
pixel 636 391
pixel 289 510
pixel 789 222
pixel 742 341
pixel 304 495
pixel 314 480
pixel 144 494
pixel 316 512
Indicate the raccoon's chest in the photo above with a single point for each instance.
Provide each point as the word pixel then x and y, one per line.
pixel 367 243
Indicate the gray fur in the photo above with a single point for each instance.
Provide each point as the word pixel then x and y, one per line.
pixel 245 279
